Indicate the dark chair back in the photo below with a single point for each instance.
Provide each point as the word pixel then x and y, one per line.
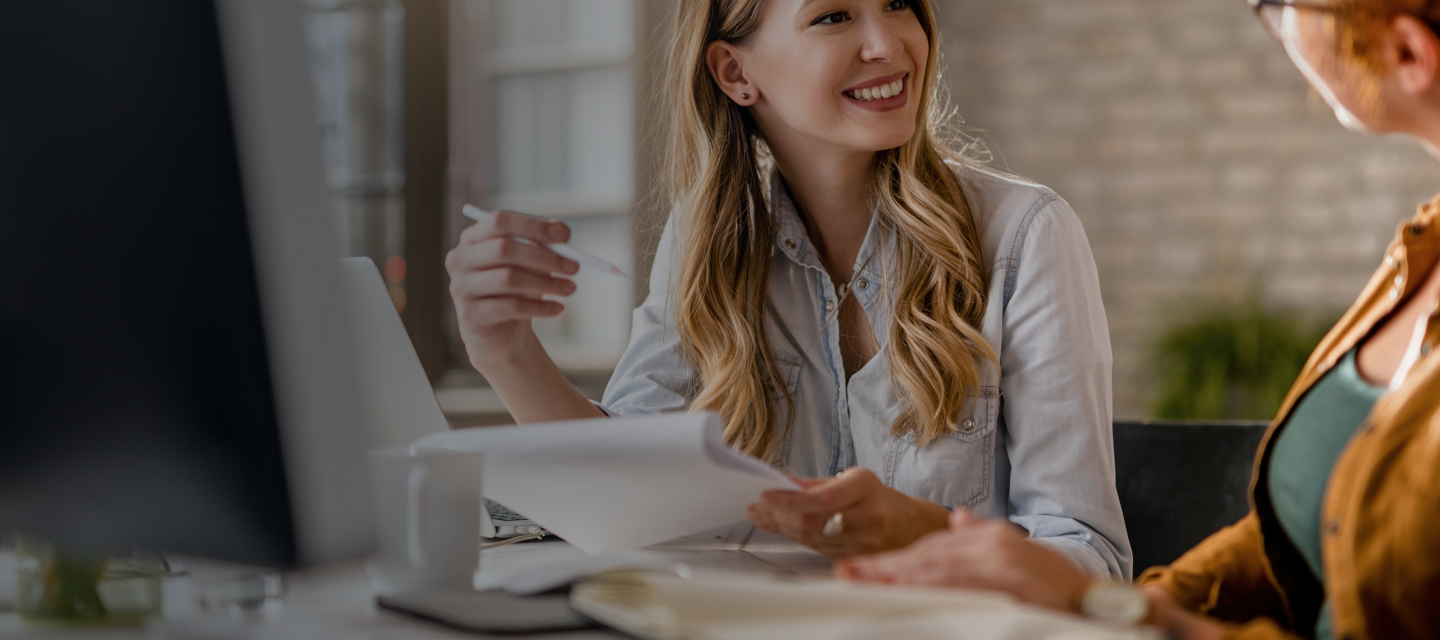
pixel 1181 481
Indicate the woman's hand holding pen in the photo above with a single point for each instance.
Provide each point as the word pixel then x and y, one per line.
pixel 499 273
pixel 873 517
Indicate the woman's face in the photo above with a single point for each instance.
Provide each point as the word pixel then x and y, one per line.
pixel 841 73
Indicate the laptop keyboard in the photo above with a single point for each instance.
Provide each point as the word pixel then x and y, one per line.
pixel 499 513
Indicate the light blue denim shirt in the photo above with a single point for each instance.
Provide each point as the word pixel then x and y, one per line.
pixel 1034 444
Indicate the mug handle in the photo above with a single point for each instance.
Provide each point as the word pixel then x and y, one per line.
pixel 415 520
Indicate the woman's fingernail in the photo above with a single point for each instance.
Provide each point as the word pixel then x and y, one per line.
pixel 569 287
pixel 557 231
pixel 570 266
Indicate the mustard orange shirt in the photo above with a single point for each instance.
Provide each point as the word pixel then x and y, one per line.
pixel 1380 517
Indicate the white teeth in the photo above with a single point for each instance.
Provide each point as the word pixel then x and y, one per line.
pixel 882 91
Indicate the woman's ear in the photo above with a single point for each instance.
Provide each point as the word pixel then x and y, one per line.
pixel 1413 54
pixel 723 60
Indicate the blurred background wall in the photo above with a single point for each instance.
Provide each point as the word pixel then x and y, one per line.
pixel 551 113
pixel 1217 190
pixel 379 68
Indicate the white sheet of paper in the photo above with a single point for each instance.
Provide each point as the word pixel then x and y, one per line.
pixel 615 484
pixel 537 567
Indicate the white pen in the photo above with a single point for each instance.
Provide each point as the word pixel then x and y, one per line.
pixel 566 251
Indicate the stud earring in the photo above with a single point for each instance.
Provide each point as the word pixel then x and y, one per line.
pixel 744 96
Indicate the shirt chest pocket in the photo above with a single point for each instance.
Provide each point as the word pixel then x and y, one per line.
pixel 790 366
pixel 958 468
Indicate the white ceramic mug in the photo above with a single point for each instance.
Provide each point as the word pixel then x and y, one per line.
pixel 427 510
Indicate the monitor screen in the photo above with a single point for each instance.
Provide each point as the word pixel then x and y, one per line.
pixel 140 404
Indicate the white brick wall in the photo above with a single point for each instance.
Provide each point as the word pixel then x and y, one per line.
pixel 1190 147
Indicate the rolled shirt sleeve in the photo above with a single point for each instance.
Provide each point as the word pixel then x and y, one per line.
pixel 653 375
pixel 1056 406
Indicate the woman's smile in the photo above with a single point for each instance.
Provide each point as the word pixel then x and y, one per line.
pixel 885 93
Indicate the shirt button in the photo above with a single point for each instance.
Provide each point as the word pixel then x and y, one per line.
pixel 829 305
pixel 863 284
pixel 1426 348
pixel 1400 280
pixel 1394 293
pixel 1333 526
pixel 968 425
pixel 790 244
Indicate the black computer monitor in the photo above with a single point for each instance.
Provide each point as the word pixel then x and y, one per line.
pixel 175 370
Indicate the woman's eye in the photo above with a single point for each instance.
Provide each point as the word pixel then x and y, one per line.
pixel 834 17
pixel 897 5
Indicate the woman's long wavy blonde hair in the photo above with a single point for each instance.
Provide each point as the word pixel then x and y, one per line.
pixel 726 231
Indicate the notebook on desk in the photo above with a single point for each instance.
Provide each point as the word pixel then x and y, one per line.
pixel 747 606
pixel 395 383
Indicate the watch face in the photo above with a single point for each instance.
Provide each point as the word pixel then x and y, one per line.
pixel 1114 602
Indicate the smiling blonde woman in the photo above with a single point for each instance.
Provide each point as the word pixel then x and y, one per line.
pixel 844 290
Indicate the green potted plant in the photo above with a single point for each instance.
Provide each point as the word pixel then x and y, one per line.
pixel 58 586
pixel 1230 361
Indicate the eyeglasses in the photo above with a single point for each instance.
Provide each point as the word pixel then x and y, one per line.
pixel 1272 12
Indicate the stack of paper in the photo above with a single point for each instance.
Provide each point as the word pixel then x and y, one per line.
pixel 616 484
pixel 538 567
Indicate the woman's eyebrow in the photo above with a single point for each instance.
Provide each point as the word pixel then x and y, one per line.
pixel 803 5
pixel 799 16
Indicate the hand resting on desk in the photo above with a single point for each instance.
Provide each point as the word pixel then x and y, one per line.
pixel 978 554
pixel 875 517
pixel 994 555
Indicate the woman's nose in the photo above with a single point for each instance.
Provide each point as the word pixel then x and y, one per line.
pixel 880 44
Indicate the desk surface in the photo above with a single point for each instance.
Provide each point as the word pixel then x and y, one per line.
pixel 337 602
pixel 329 602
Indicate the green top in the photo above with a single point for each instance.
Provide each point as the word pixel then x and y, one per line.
pixel 1300 463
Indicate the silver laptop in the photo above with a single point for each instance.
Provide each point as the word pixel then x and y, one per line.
pixel 395 387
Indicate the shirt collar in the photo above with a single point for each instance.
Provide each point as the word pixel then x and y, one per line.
pixel 1428 212
pixel 792 240
pixel 790 237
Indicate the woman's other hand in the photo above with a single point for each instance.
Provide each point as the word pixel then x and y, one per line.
pixel 998 556
pixel 498 274
pixel 1174 619
pixel 874 517
pixel 975 553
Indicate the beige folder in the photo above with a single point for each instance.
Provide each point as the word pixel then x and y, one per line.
pixel 657 606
